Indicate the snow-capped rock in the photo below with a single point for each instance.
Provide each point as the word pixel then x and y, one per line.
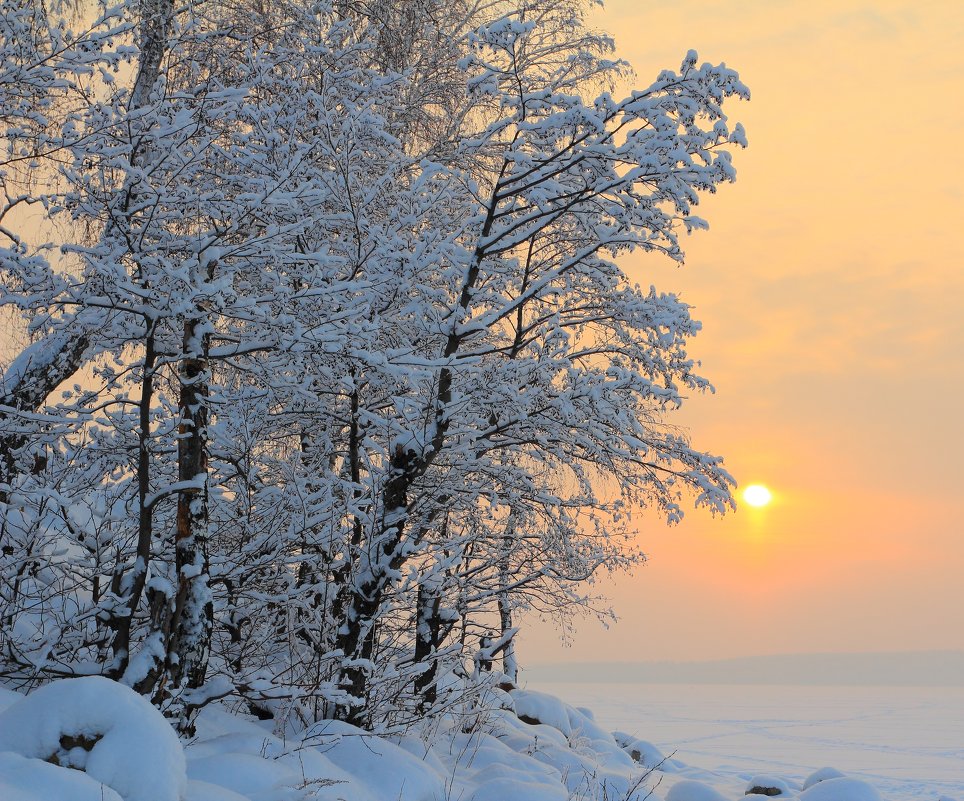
pixel 100 727
pixel 821 775
pixel 767 785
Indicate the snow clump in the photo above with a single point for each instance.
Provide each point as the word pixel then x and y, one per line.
pixel 645 753
pixel 821 775
pixel 98 726
pixel 23 779
pixel 840 789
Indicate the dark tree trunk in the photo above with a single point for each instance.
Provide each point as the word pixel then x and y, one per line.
pixel 428 638
pixel 360 600
pixel 121 624
pixel 509 666
pixel 184 624
pixel 193 614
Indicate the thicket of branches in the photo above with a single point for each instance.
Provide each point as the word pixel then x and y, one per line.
pixel 332 371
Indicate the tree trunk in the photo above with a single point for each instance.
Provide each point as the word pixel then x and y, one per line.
pixel 428 638
pixel 509 666
pixel 358 603
pixel 182 626
pixel 193 614
pixel 360 600
pixel 121 623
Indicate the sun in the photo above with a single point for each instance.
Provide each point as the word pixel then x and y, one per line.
pixel 757 495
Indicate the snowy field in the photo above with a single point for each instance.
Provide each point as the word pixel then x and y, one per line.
pixel 91 739
pixel 906 741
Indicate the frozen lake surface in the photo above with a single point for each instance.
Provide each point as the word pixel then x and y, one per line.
pixel 906 741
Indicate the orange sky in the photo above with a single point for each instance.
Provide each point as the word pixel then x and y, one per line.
pixel 831 288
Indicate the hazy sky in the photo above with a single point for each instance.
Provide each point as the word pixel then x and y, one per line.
pixel 831 288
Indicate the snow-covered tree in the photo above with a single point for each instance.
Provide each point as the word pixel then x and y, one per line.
pixel 337 371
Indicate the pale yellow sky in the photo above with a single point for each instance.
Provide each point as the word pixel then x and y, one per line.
pixel 831 288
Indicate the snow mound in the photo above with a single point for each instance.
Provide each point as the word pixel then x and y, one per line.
pixel 245 774
pixel 8 697
pixel 510 789
pixel 101 727
pixel 690 790
pixel 587 760
pixel 571 740
pixel 820 776
pixel 205 791
pixel 400 775
pixel 645 753
pixel 840 789
pixel 23 779
pixel 534 707
pixel 765 785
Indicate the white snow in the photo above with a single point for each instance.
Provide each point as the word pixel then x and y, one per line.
pixel 401 775
pixel 205 791
pixel 840 789
pixel 8 697
pixel 645 753
pixel 690 790
pixel 821 775
pixel 563 753
pixel 23 779
pixel 543 708
pixel 904 741
pixel 134 750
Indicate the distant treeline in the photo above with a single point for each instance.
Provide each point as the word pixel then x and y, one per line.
pixel 924 669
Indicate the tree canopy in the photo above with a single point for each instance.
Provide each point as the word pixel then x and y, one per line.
pixel 332 369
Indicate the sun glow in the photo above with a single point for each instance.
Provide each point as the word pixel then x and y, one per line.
pixel 757 495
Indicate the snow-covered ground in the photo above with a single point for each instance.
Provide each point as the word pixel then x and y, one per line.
pixel 92 740
pixel 906 741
